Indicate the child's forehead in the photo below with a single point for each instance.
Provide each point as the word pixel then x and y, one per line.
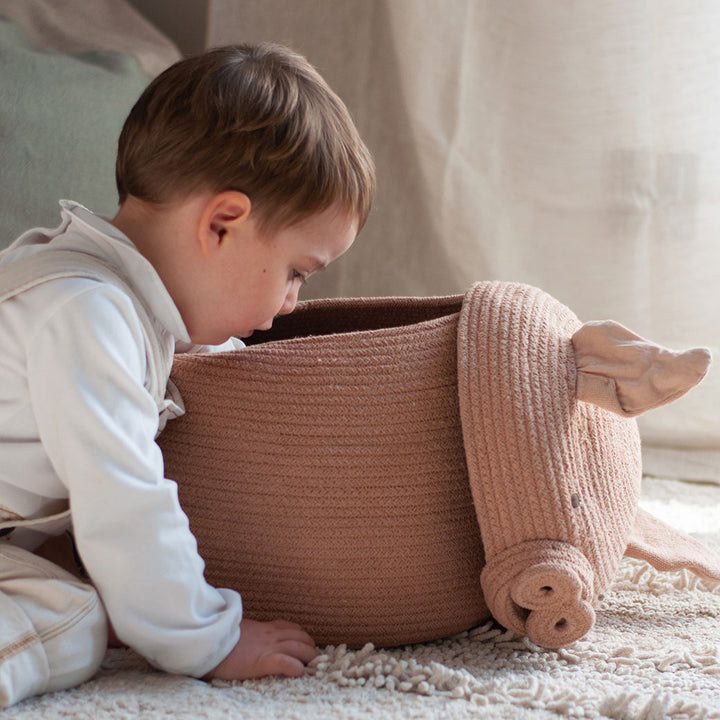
pixel 337 216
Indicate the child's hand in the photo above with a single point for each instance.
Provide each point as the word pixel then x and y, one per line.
pixel 267 648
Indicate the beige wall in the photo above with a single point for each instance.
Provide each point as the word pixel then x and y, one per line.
pixel 184 22
pixel 576 151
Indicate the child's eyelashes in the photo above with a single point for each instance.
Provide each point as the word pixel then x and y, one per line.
pixel 297 275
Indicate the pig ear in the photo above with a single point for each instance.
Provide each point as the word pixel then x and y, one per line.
pixel 622 372
pixel 666 548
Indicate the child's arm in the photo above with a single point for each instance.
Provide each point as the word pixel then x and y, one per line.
pixel 86 365
pixel 266 648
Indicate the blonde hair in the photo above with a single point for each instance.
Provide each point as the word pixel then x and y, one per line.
pixel 258 119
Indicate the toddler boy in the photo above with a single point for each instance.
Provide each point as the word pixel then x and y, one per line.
pixel 240 174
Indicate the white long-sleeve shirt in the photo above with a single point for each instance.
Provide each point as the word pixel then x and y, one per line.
pixel 78 422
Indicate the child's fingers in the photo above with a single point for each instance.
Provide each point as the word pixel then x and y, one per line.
pixel 300 650
pixel 285 628
pixel 267 648
pixel 287 631
pixel 285 624
pixel 299 636
pixel 281 664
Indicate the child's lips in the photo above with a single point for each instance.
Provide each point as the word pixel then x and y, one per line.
pixel 264 327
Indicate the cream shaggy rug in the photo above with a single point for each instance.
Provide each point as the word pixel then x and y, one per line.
pixel 654 654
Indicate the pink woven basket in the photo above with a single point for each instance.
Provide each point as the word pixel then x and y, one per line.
pixel 342 472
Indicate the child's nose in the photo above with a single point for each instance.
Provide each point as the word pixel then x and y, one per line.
pixel 290 302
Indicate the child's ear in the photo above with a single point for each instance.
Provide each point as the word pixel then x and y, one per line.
pixel 222 213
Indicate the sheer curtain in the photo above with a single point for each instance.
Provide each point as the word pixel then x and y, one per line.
pixel 570 144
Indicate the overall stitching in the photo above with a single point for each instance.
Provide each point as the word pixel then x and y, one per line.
pixel 57 629
pixel 18 646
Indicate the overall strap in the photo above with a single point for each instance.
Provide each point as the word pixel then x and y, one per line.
pixel 47 265
pixel 27 272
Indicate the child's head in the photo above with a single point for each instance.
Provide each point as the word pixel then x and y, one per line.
pixel 255 119
pixel 240 173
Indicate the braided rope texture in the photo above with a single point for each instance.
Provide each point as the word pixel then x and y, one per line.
pixel 555 481
pixel 324 477
pixel 353 470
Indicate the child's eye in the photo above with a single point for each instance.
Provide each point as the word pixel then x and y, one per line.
pixel 297 275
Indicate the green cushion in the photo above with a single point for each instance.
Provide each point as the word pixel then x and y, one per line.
pixel 60 118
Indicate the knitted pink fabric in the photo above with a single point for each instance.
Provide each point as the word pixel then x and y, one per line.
pixel 555 482
pixel 392 470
